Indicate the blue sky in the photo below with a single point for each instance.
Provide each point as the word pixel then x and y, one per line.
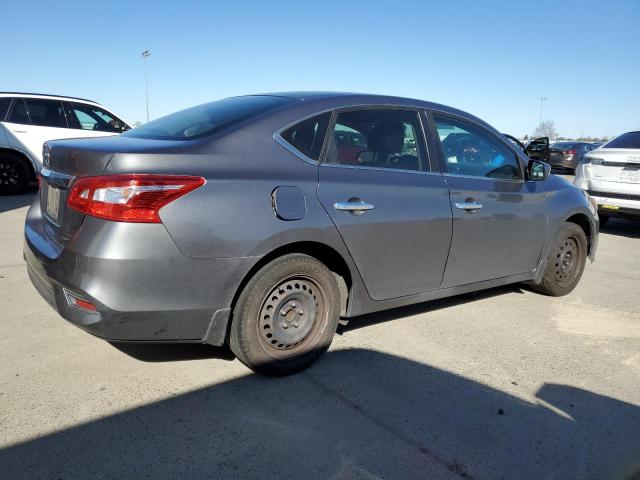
pixel 494 59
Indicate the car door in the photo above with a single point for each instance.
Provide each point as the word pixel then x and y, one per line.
pixel 499 219
pixel 538 149
pixel 390 208
pixel 33 121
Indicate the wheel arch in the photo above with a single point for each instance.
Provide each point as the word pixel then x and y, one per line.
pixel 583 221
pixel 33 169
pixel 320 251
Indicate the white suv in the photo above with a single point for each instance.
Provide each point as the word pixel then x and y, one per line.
pixel 28 120
pixel 611 175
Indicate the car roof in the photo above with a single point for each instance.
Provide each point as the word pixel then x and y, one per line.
pixel 332 100
pixel 45 95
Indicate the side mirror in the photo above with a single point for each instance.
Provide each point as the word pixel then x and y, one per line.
pixel 537 170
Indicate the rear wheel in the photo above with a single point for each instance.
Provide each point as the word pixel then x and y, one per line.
pixel 14 174
pixel 565 262
pixel 286 316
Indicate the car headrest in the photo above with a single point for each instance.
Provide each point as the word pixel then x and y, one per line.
pixel 387 137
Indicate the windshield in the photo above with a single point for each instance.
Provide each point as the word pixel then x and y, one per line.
pixel 206 119
pixel 626 140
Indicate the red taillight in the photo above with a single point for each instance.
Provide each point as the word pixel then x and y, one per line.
pixel 129 198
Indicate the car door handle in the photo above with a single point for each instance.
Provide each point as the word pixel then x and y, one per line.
pixel 468 206
pixel 357 207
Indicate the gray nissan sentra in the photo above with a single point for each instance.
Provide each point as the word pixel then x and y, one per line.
pixel 260 221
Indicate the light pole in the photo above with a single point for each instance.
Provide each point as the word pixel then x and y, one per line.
pixel 146 55
pixel 542 100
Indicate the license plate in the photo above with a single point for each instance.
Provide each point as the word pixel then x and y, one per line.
pixel 631 176
pixel 53 202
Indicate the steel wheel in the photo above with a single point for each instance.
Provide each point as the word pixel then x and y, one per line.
pixel 289 314
pixel 567 261
pixel 286 315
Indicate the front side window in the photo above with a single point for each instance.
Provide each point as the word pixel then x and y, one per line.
pixel 46 113
pixel 470 151
pixel 207 119
pixel 626 140
pixel 307 136
pixel 377 138
pixel 90 117
pixel 19 113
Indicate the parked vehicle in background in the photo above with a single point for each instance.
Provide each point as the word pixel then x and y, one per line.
pixel 611 176
pixel 245 219
pixel 537 149
pixel 27 120
pixel 567 155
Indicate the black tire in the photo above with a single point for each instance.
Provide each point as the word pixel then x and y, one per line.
pixel 603 219
pixel 565 262
pixel 286 315
pixel 15 174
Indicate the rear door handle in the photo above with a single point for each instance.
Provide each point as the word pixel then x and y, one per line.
pixel 469 206
pixel 355 206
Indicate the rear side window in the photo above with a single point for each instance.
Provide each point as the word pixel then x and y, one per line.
pixel 307 136
pixel 4 107
pixel 207 119
pixel 46 113
pixel 19 113
pixel 626 140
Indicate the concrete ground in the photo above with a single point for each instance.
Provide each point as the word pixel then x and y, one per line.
pixel 505 384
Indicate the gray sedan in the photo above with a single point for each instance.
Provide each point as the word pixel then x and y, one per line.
pixel 252 222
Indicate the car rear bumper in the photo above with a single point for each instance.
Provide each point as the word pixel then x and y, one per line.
pixel 563 163
pixel 143 288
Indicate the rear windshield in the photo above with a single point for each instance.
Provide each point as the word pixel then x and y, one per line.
pixel 565 145
pixel 208 118
pixel 626 140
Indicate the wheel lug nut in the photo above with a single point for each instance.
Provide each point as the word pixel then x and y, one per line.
pixel 295 324
pixel 300 312
pixel 284 325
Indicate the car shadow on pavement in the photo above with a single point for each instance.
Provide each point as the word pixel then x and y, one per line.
pixel 354 414
pixel 172 352
pixel 11 202
pixel 622 227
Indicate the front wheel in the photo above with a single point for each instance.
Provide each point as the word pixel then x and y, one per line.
pixel 565 262
pixel 286 315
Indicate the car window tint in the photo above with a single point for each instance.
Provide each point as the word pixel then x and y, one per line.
pixel 19 113
pixel 207 119
pixel 46 113
pixel 469 150
pixel 377 138
pixel 4 107
pixel 626 140
pixel 307 136
pixel 91 117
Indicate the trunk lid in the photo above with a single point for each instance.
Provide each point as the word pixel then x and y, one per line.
pixel 64 161
pixel 615 165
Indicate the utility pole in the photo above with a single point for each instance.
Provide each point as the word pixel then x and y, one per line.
pixel 145 55
pixel 542 100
